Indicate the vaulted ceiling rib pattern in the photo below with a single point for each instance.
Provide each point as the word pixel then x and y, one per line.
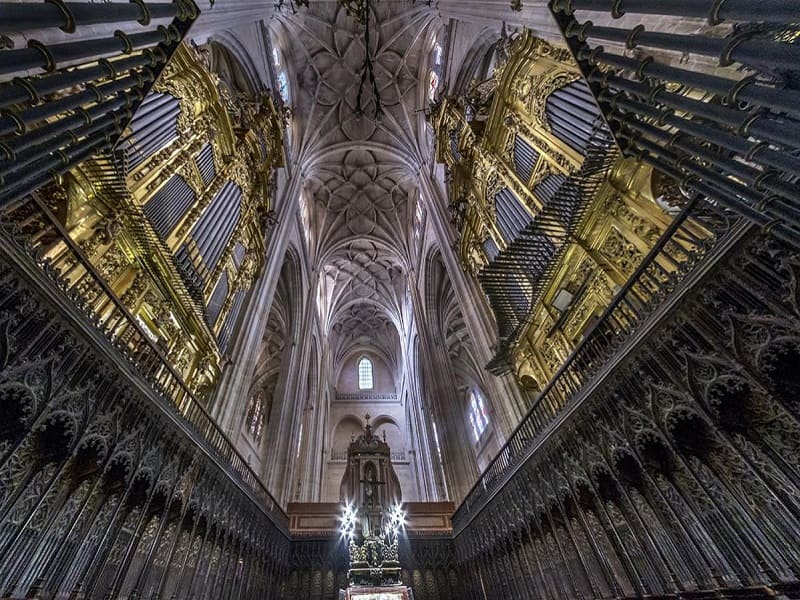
pixel 328 58
pixel 359 168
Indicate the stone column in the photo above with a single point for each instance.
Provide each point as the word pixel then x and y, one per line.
pixel 230 400
pixel 504 394
pixel 423 457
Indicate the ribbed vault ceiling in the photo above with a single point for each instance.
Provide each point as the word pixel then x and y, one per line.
pixel 360 167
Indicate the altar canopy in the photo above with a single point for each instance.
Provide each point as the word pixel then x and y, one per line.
pixel 370 484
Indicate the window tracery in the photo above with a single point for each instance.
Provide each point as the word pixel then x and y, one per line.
pixel 478 417
pixel 280 75
pixel 436 442
pixel 255 415
pixel 283 86
pixel 305 216
pixel 434 77
pixel 419 218
pixel 365 381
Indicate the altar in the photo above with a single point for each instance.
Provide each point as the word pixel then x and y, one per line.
pixel 377 593
pixel 373 521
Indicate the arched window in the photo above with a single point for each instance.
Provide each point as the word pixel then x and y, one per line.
pixel 283 86
pixel 365 374
pixel 281 76
pixel 419 217
pixel 433 85
pixel 255 416
pixel 305 215
pixel 434 77
pixel 478 417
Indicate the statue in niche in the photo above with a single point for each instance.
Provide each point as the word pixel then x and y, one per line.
pixel 370 510
pixel 370 486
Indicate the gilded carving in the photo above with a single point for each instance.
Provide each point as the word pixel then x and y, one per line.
pixel 101 206
pixel 621 252
pixel 112 263
pixel 539 335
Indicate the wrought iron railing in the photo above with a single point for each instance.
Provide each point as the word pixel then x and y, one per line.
pixel 692 239
pixel 32 229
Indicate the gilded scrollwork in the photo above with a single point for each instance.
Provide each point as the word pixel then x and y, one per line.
pixel 106 206
pixel 619 222
pixel 622 253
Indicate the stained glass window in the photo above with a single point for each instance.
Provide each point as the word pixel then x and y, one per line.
pixel 283 86
pixel 434 78
pixel 255 415
pixel 436 441
pixel 365 374
pixel 419 215
pixel 478 417
pixel 434 85
pixel 474 427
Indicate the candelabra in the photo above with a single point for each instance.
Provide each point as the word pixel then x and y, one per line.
pixel 375 561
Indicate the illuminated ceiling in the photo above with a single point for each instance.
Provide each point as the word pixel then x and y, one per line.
pixel 360 169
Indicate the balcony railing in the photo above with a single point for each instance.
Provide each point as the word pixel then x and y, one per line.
pixel 398 456
pixel 32 228
pixel 367 397
pixel 693 238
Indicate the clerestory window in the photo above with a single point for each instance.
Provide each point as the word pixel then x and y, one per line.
pixel 255 416
pixel 365 374
pixel 478 417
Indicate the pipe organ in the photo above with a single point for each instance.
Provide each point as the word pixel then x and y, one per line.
pixel 551 220
pixel 627 203
pixel 174 218
pixel 65 97
pixel 717 110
